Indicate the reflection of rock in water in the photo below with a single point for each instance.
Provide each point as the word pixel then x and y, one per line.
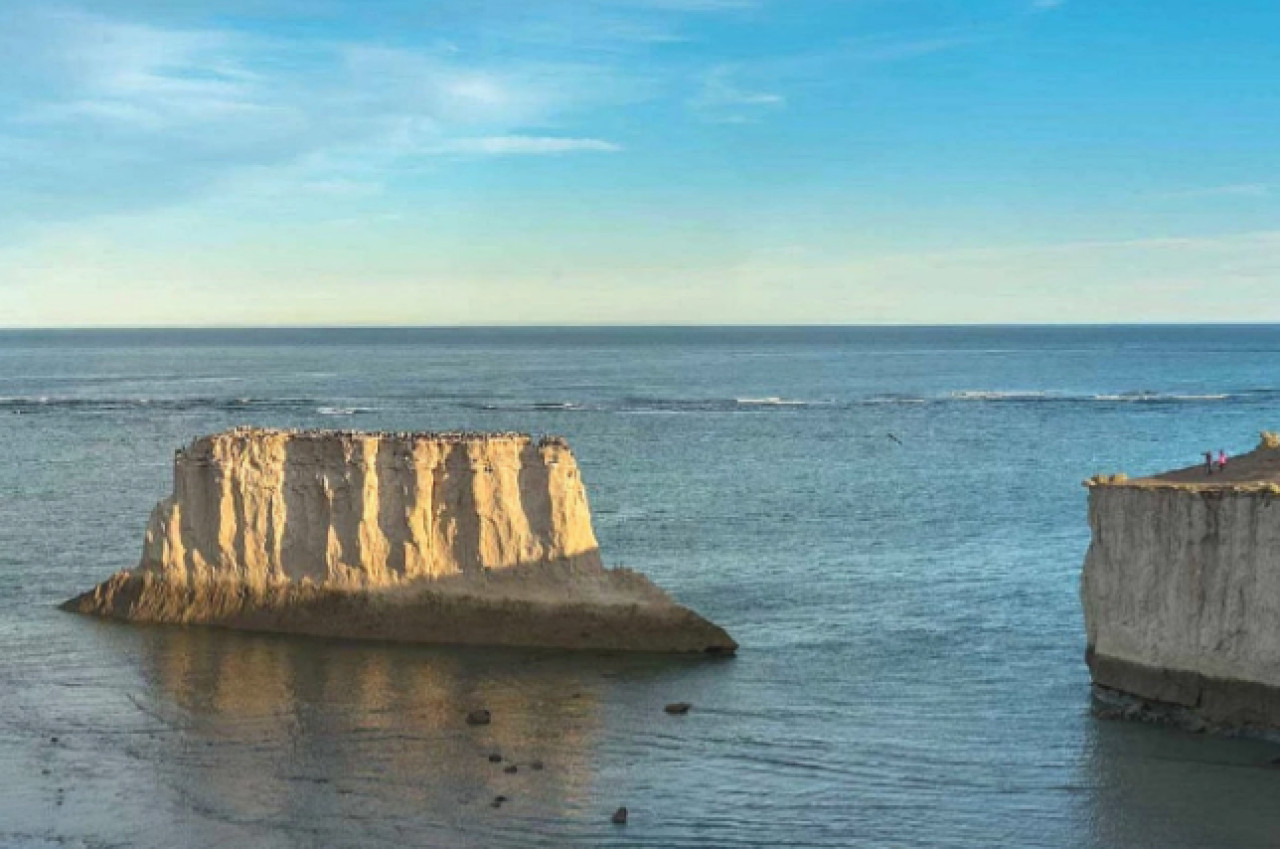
pixel 281 731
pixel 480 539
pixel 1151 786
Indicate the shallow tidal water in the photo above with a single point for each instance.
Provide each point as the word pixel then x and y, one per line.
pixel 911 672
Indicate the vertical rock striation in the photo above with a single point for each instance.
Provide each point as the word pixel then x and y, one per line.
pixel 360 510
pixel 458 538
pixel 1181 593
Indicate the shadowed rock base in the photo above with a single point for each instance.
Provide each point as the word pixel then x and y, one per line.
pixel 466 610
pixel 1127 690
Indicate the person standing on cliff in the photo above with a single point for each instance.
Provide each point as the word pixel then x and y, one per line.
pixel 1208 462
pixel 1222 460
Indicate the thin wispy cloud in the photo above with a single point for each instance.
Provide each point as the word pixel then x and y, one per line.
pixel 530 145
pixel 1235 190
pixel 109 114
pixel 83 66
pixel 586 27
pixel 721 97
pixel 893 49
pixel 118 113
pixel 686 5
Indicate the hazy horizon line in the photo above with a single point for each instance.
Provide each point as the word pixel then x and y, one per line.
pixel 621 326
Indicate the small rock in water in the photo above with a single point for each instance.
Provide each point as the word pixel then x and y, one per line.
pixel 510 769
pixel 495 758
pixel 53 739
pixel 1108 712
pixel 479 717
pixel 497 801
pixel 678 708
pixel 619 816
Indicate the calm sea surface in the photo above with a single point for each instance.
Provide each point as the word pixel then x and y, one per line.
pixel 911 672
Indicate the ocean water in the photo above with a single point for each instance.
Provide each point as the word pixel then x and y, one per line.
pixel 911 672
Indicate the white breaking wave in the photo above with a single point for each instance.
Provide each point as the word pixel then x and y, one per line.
pixel 771 401
pixel 342 411
pixel 1001 395
pixel 1138 397
pixel 1114 397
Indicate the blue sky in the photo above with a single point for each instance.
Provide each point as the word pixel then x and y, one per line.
pixel 242 162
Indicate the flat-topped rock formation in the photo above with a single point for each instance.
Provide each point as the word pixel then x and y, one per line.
pixel 426 537
pixel 1181 591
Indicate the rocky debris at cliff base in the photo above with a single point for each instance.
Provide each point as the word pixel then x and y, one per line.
pixel 1109 704
pixel 678 708
pixel 619 816
pixel 480 717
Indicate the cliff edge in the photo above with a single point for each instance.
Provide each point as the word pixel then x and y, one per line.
pixel 1181 593
pixel 418 537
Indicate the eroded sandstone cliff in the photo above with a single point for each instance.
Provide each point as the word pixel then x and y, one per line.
pixel 1181 591
pixel 455 538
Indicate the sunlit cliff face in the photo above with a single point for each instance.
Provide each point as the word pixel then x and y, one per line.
pixel 366 510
